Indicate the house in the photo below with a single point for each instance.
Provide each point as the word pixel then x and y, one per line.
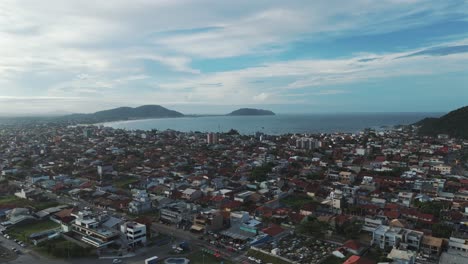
pixel 387 237
pixel 458 244
pixel 191 194
pixel 402 256
pixel 141 203
pixel 405 198
pixel 432 245
pixel 275 232
pixel 354 247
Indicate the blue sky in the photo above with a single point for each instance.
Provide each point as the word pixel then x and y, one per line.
pixel 215 56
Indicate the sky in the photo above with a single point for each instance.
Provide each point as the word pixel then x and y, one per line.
pixel 63 56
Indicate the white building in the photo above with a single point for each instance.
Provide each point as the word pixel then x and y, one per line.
pixel 134 232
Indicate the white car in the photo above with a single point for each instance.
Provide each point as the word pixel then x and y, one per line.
pixel 115 261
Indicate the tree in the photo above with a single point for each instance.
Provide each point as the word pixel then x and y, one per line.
pixel 313 227
pixel 442 230
pixel 232 132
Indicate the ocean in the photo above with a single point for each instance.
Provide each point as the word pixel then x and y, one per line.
pixel 278 124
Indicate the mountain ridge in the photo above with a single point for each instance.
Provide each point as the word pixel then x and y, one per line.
pixel 124 113
pixel 454 124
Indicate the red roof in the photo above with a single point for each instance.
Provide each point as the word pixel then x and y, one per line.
pixel 352 244
pixel 273 230
pixel 358 260
pixel 392 214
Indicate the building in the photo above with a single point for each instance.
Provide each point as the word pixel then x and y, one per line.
pixel 207 221
pixel 177 212
pixel 388 237
pixel 442 169
pixel 458 244
pixel 212 138
pixel 191 194
pixel 402 256
pixel 88 229
pixel 134 232
pixel 141 203
pixel 432 245
pixel 308 143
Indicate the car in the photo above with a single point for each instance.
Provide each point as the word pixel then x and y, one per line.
pixel 115 261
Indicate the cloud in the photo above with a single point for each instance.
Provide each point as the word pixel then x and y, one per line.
pixel 95 51
pixel 440 51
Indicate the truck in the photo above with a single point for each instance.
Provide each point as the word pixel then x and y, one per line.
pixel 151 260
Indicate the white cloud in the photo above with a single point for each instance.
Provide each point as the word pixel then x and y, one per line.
pixel 95 50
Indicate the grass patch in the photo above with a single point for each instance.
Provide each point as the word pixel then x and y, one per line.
pixel 266 258
pixel 197 258
pixel 124 182
pixel 12 200
pixel 297 201
pixel 333 260
pixel 61 248
pixel 23 232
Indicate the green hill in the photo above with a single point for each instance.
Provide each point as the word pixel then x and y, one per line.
pixel 251 112
pixel 123 113
pixel 454 124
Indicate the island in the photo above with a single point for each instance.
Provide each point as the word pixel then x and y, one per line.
pixel 251 112
pixel 124 113
pixel 454 124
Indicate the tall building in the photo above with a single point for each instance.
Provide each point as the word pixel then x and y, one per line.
pixel 308 143
pixel 212 138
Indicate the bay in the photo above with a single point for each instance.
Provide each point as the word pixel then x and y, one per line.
pixel 277 124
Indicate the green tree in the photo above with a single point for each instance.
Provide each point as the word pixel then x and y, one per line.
pixel 442 230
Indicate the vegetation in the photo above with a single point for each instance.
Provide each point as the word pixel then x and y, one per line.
pixel 22 232
pixel 442 230
pixel 350 231
pixel 13 201
pixel 313 227
pixel 260 174
pixel 204 258
pixel 124 113
pixel 61 248
pixel 432 207
pixel 125 182
pixel 250 112
pixel 297 202
pixel 454 124
pixel 333 260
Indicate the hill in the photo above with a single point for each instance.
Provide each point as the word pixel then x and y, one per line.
pixel 454 124
pixel 250 112
pixel 123 113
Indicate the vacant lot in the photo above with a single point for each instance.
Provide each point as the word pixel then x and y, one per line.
pixel 12 201
pixel 23 232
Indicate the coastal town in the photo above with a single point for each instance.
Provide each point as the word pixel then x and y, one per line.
pixel 74 192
